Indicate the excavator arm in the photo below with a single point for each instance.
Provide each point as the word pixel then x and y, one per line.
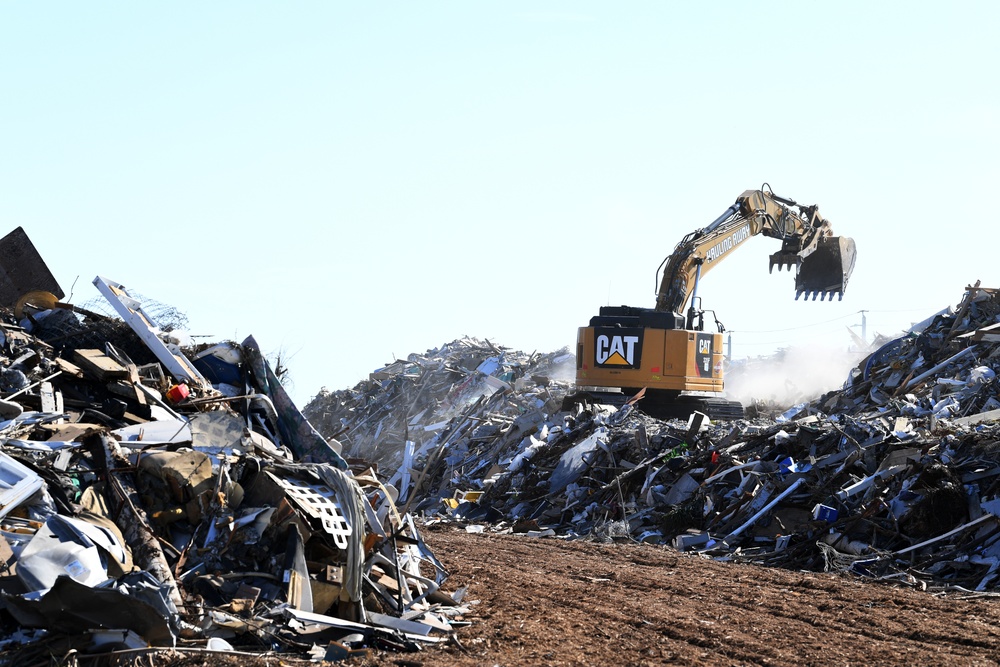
pixel 823 262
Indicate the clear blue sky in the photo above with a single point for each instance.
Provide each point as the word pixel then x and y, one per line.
pixel 354 182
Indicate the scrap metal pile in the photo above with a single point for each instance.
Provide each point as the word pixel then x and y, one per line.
pixel 894 476
pixel 154 496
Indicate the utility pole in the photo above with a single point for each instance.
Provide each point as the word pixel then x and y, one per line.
pixel 864 327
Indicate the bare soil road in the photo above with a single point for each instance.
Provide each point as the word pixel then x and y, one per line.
pixel 552 602
pixel 555 602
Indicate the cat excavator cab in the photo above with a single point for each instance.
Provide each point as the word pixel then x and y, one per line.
pixel 663 355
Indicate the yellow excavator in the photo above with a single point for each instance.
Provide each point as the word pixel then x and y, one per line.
pixel 667 359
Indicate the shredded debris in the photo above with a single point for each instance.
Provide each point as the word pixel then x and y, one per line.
pixel 154 495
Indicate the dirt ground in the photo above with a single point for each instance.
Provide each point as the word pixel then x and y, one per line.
pixel 554 602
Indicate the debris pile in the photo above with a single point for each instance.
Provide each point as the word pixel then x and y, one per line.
pixel 894 476
pixel 409 404
pixel 159 496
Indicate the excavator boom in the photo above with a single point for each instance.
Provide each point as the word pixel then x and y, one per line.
pixel 823 262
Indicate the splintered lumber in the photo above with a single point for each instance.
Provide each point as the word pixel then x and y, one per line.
pixel 126 506
pixel 69 368
pixel 100 365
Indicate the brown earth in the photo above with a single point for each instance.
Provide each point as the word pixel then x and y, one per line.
pixel 556 602
pixel 553 602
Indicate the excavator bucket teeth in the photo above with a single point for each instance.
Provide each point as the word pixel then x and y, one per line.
pixel 827 269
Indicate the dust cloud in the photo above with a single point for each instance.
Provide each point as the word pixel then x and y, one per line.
pixel 792 375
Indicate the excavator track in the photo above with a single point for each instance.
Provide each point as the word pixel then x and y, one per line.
pixel 717 409
pixel 664 405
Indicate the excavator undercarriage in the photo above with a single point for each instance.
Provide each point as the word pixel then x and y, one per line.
pixel 661 404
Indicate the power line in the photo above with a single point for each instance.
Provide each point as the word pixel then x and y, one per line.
pixel 835 319
pixel 760 344
pixel 906 310
pixel 804 326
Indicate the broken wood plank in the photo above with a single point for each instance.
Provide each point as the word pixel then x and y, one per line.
pixel 48 396
pixel 131 518
pixel 99 365
pixel 69 368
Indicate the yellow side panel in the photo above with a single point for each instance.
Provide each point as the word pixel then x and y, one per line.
pixel 655 358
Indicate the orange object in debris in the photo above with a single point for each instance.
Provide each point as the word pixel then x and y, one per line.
pixel 178 393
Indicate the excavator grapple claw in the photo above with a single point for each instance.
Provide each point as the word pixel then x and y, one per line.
pixel 826 270
pixel 783 260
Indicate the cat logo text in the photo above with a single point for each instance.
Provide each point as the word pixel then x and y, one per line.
pixel 617 348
